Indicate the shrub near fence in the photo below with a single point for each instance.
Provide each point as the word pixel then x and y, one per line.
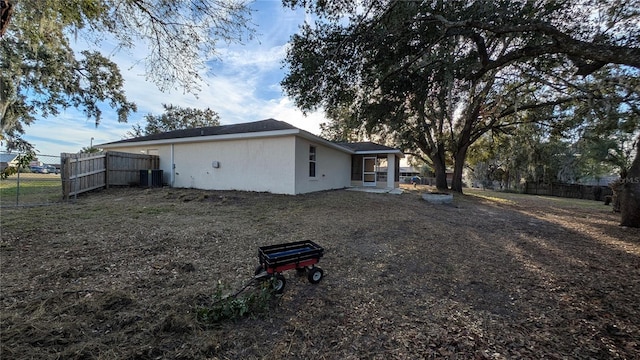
pixel 37 184
pixel 576 191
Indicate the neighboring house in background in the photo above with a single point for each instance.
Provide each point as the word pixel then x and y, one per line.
pixel 267 155
pixel 7 159
pixel 407 173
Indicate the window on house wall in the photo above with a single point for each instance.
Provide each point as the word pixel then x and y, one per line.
pixel 312 161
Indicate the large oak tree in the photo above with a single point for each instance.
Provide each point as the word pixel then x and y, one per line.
pixel 441 73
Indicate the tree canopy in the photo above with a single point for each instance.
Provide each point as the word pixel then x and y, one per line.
pixel 175 118
pixel 438 75
pixel 42 73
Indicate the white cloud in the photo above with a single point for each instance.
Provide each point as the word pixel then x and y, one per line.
pixel 285 110
pixel 243 86
pixel 261 59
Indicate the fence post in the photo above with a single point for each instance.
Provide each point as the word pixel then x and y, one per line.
pixel 18 187
pixel 106 169
pixel 66 174
pixel 76 178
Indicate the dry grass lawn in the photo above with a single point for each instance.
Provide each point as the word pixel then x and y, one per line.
pixel 119 274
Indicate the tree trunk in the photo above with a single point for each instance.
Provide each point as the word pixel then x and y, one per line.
pixel 458 167
pixel 441 176
pixel 440 168
pixel 630 194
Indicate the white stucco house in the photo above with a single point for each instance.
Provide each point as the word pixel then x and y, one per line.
pixel 268 155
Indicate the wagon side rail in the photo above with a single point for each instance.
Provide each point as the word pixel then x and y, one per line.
pixel 301 252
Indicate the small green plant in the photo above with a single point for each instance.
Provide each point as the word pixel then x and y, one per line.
pixel 232 307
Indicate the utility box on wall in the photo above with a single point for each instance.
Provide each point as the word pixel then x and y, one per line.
pixel 151 178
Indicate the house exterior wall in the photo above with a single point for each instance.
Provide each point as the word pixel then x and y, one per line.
pixel 264 164
pixel 393 166
pixel 332 167
pixel 277 164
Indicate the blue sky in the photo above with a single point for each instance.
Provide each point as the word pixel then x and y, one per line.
pixel 242 86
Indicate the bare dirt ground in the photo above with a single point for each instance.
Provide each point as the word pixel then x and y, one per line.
pixel 119 273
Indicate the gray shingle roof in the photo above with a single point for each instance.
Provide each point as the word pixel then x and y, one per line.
pixel 367 146
pixel 250 127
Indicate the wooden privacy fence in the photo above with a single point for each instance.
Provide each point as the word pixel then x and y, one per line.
pixel 86 172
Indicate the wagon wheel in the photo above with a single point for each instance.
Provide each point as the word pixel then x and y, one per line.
pixel 315 275
pixel 278 283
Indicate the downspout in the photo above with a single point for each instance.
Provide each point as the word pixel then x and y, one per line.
pixel 173 167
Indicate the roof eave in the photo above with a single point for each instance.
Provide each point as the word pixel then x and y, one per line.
pixel 249 135
pixel 309 136
pixel 399 153
pixel 195 139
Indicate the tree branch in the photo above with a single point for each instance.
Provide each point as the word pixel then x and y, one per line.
pixel 6 10
pixel 514 109
pixel 586 56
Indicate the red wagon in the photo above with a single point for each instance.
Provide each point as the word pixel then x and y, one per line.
pixel 299 255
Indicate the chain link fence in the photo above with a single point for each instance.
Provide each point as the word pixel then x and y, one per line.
pixel 37 184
